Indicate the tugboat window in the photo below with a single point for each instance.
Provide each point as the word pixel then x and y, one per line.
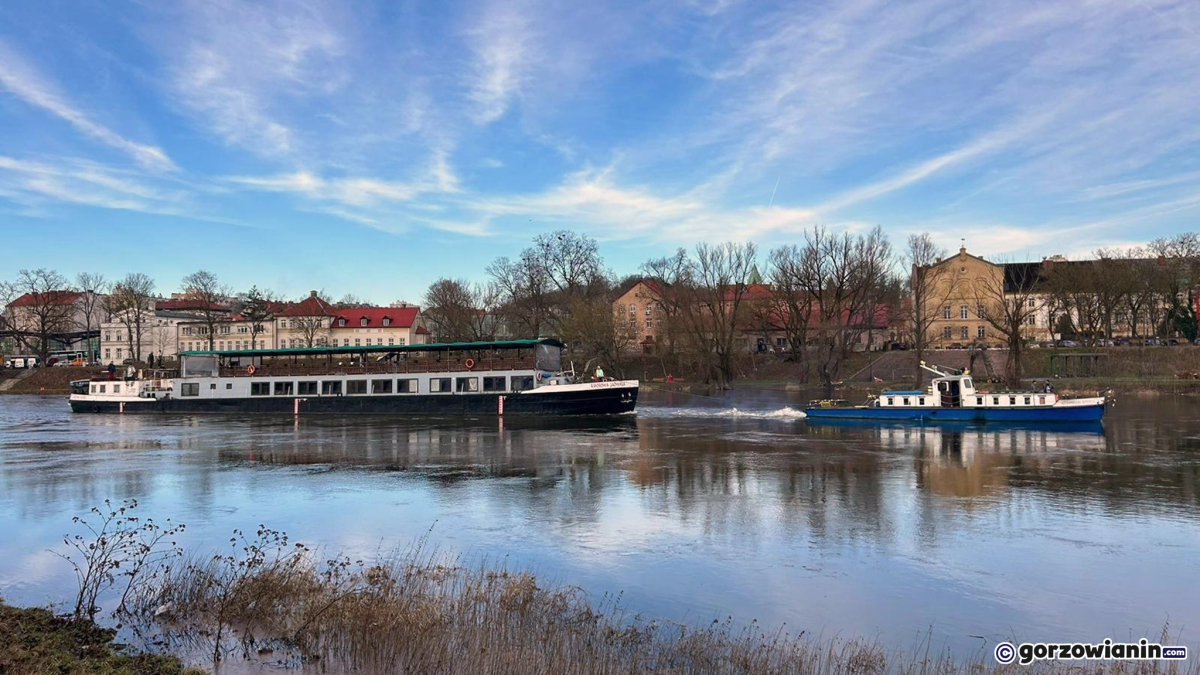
pixel 1027 400
pixel 522 383
pixel 189 389
pixel 493 384
pixel 921 400
pixel 978 400
pixel 281 389
pixel 406 386
pixel 1012 400
pixel 891 400
pixel 995 400
pixel 905 400
pixel 439 385
pixel 381 386
pixel 467 385
pixel 331 388
pixel 356 387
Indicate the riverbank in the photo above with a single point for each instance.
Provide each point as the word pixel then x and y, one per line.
pixel 43 380
pixel 35 642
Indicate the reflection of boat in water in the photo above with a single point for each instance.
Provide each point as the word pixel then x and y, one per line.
pixel 952 397
pixel 1088 428
pixel 513 377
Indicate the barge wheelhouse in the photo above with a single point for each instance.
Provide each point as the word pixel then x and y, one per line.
pixel 952 397
pixel 511 377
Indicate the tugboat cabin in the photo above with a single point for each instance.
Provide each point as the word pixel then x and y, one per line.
pixel 957 390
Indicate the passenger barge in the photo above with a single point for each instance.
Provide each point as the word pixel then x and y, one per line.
pixel 952 397
pixel 515 377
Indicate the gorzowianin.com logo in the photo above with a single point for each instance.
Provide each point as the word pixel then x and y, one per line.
pixel 1142 650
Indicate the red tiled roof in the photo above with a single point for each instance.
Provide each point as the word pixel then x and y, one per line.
pixel 402 317
pixel 422 330
pixel 310 306
pixel 49 297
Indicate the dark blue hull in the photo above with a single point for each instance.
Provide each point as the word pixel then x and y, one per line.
pixel 1058 414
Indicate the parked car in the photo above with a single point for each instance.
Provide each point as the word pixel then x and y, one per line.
pixel 1070 344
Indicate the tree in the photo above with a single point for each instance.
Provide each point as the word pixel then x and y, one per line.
pixel 46 311
pixel 208 296
pixel 91 308
pixel 314 330
pixel 846 275
pixel 794 302
pixel 257 309
pixel 930 285
pixel 131 303
pixel 1010 295
pixel 721 274
pixel 352 300
pixel 458 311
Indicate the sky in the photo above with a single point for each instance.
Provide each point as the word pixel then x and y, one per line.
pixel 370 147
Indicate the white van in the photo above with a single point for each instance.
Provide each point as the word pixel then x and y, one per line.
pixel 21 362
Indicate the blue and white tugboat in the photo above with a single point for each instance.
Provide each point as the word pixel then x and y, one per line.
pixel 952 397
pixel 513 377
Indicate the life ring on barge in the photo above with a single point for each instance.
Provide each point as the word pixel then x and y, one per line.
pixel 251 369
pixel 470 364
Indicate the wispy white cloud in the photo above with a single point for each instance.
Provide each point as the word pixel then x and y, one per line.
pixel 20 79
pixel 501 52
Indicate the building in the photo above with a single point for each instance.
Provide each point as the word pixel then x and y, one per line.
pixel 62 317
pixel 958 296
pixel 638 315
pixel 307 323
pixel 377 326
pixel 159 337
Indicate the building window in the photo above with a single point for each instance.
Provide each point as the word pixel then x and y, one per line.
pixel 331 388
pixel 494 384
pixel 407 386
pixel 345 342
pixel 1032 321
pixel 439 385
pixel 341 322
pixel 522 382
pixel 1032 302
pixel 381 386
pixel 357 342
pixel 649 324
pixel 962 312
pixel 107 353
pixel 401 342
pixel 189 389
pixel 391 341
pixel 356 387
pixel 980 332
pixel 362 321
pixel 118 354
pixel 466 385
pixel 946 312
pixel 387 321
pixel 946 332
pixel 964 333
pixel 649 310
pixel 306 388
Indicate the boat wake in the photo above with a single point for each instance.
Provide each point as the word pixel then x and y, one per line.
pixel 780 414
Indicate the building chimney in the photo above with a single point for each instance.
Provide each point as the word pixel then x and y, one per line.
pixel 312 294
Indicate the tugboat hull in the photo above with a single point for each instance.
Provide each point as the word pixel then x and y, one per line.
pixel 1079 410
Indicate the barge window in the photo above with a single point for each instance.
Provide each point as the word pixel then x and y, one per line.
pixel 355 387
pixel 189 389
pixel 306 388
pixel 439 385
pixel 260 388
pixel 116 388
pixel 406 386
pixel 381 386
pixel 229 385
pixel 102 388
pixel 212 387
pixel 494 383
pixel 283 388
pixel 467 384
pixel 522 382
pixel 331 388
pixel 93 388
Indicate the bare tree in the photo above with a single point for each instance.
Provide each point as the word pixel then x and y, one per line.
pixel 131 303
pixel 1011 298
pixel 314 330
pixel 44 310
pixel 162 340
pixel 525 291
pixel 795 302
pixel 930 285
pixel 450 311
pixel 93 286
pixel 720 273
pixel 352 300
pixel 258 308
pixel 846 276
pixel 670 280
pixel 209 297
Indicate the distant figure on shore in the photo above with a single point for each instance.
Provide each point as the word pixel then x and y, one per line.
pixel 150 360
pixel 670 379
pixel 599 373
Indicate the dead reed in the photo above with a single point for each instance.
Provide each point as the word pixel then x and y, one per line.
pixel 270 601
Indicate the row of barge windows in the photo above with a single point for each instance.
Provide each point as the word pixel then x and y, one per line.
pixel 437 385
pixel 1012 400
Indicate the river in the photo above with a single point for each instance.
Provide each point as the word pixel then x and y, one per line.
pixel 696 509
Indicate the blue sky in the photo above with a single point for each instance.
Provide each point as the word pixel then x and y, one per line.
pixel 371 147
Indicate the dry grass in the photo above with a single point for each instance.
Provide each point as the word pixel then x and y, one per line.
pixel 277 603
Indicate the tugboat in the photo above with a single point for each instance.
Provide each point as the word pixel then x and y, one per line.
pixel 952 397
pixel 514 377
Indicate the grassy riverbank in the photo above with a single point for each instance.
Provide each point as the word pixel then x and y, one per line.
pixel 35 642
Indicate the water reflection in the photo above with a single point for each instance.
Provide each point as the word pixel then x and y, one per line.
pixel 693 512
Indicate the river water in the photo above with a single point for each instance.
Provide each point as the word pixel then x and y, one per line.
pixel 696 509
